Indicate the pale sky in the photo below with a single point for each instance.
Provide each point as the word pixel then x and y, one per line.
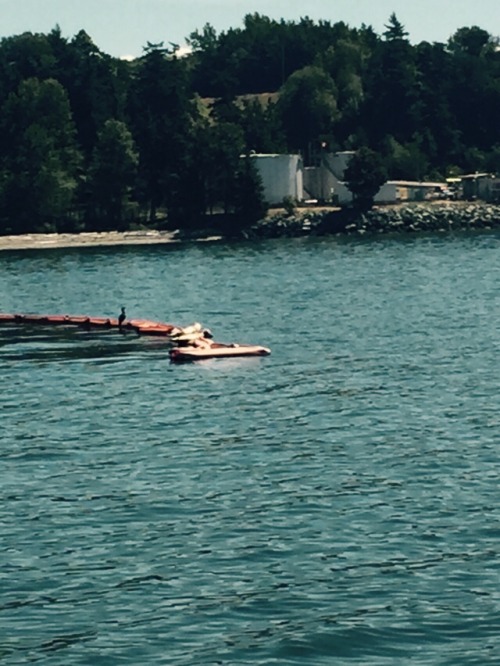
pixel 123 27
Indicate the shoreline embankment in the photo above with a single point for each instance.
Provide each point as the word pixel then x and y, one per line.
pixel 398 219
pixel 412 218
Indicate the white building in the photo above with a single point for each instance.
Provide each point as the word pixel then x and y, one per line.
pixel 325 182
pixel 483 186
pixel 285 177
pixel 281 175
pixel 321 185
pixel 395 191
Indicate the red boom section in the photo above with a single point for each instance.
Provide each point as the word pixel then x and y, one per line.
pixel 140 326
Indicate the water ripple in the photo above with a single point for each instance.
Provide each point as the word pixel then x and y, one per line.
pixel 336 502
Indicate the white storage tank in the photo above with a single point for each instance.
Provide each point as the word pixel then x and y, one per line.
pixel 338 162
pixel 281 176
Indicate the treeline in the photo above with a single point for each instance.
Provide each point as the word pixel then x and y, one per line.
pixel 93 142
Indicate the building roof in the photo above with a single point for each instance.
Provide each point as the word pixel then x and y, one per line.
pixel 415 183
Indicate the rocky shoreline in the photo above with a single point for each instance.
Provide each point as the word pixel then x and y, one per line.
pixel 403 218
pixel 400 219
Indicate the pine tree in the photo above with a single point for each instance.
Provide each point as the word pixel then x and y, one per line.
pixel 112 173
pixel 40 161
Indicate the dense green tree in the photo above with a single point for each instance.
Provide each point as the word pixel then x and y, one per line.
pixel 212 72
pixel 248 195
pixel 345 63
pixel 437 118
pixel 308 107
pixel 261 56
pixel 471 41
pixel 95 83
pixel 394 30
pixel 225 146
pixel 40 161
pixel 162 112
pixel 492 161
pixel 405 162
pixel 392 102
pixel 268 86
pixel 22 57
pixel 112 175
pixel 474 92
pixel 259 120
pixel 190 200
pixel 364 176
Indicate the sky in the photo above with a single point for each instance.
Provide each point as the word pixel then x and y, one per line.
pixel 123 27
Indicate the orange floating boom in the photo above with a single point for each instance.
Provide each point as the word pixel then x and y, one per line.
pixel 140 326
pixel 187 338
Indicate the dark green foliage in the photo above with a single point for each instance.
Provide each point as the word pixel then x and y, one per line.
pixel 262 127
pixel 161 112
pixel 217 159
pixel 471 41
pixel 39 161
pixel 112 175
pixel 308 107
pixel 392 103
pixel 257 58
pixel 89 139
pixel 22 57
pixel 364 177
pixel 394 30
pixel 92 83
pixel 289 205
pixel 406 161
pixel 248 194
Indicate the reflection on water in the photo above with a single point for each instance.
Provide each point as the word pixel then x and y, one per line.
pixel 336 502
pixel 44 343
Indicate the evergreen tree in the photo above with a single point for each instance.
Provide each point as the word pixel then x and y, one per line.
pixel 395 30
pixel 426 109
pixel 438 128
pixel 474 93
pixel 225 145
pixel 94 82
pixel 392 104
pixel 364 177
pixel 162 116
pixel 407 161
pixel 40 162
pixel 23 57
pixel 113 171
pixel 262 128
pixel 248 194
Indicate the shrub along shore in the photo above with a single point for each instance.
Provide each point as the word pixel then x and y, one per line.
pixel 399 219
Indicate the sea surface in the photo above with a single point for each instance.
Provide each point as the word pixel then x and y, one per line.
pixel 337 502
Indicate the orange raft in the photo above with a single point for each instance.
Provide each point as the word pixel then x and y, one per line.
pixel 216 350
pixel 139 326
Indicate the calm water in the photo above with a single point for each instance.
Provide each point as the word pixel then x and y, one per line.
pixel 335 503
